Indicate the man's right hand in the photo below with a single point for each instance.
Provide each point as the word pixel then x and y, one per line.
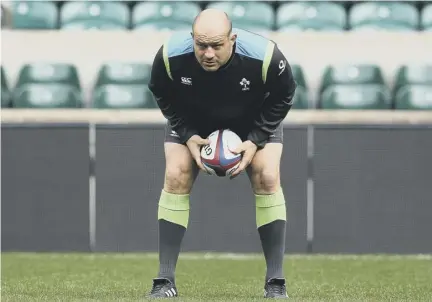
pixel 194 144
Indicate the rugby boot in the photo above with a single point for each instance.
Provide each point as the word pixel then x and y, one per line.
pixel 275 288
pixel 163 288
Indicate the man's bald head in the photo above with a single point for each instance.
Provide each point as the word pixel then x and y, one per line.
pixel 212 20
pixel 213 39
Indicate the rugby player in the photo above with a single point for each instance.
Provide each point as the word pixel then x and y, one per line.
pixel 217 77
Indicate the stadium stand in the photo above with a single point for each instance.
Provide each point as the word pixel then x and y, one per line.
pixel 123 96
pixel 48 85
pixel 253 16
pixel 51 95
pixel 94 15
pixel 123 73
pixel 47 73
pixel 414 97
pixel 5 93
pixel 355 97
pixel 317 16
pixel 413 87
pixel 164 15
pixel 354 74
pixel 36 15
pixel 123 85
pixel 394 16
pixel 413 75
pixel 356 85
pixel 426 18
pixel 301 99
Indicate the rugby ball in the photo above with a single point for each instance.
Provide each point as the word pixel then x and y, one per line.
pixel 216 157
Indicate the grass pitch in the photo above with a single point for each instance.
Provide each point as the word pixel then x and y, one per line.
pixel 210 277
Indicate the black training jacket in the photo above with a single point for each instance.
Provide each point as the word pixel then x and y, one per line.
pixel 254 90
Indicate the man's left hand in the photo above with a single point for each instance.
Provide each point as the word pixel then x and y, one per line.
pixel 248 149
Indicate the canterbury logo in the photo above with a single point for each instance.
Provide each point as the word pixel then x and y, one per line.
pixel 186 81
pixel 171 292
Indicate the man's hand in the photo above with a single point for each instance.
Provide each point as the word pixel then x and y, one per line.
pixel 194 144
pixel 248 149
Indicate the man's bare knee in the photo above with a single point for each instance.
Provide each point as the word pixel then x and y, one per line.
pixel 178 179
pixel 265 181
pixel 180 172
pixel 264 171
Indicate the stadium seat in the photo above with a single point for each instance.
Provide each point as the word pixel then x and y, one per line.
pixel 355 97
pixel 123 73
pixel 164 15
pixel 413 74
pixel 123 96
pixel 47 73
pixel 317 16
pixel 5 92
pixel 97 15
pixel 298 75
pixel 301 100
pixel 47 96
pixel 426 18
pixel 380 15
pixel 253 16
pixel 36 15
pixel 350 74
pixel 414 97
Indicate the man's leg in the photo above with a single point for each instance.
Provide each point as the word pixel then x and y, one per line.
pixel 173 211
pixel 264 174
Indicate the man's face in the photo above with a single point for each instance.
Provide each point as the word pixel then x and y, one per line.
pixel 213 51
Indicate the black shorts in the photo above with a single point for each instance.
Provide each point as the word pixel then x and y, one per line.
pixel 172 137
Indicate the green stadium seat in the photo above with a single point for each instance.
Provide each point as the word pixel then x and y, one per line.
pixel 301 100
pixel 5 92
pixel 253 16
pixel 41 72
pixel 37 15
pixel 413 74
pixel 164 15
pixel 123 73
pixel 414 97
pixel 317 16
pixel 123 97
pixel 298 75
pixel 355 97
pixel 426 18
pixel 47 96
pixel 350 74
pixel 381 15
pixel 97 15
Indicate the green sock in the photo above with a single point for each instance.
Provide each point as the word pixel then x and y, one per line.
pixel 173 216
pixel 271 223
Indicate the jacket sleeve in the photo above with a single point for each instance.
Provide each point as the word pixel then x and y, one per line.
pixel 162 88
pixel 279 92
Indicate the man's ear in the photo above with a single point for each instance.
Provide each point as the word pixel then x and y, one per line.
pixel 233 38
